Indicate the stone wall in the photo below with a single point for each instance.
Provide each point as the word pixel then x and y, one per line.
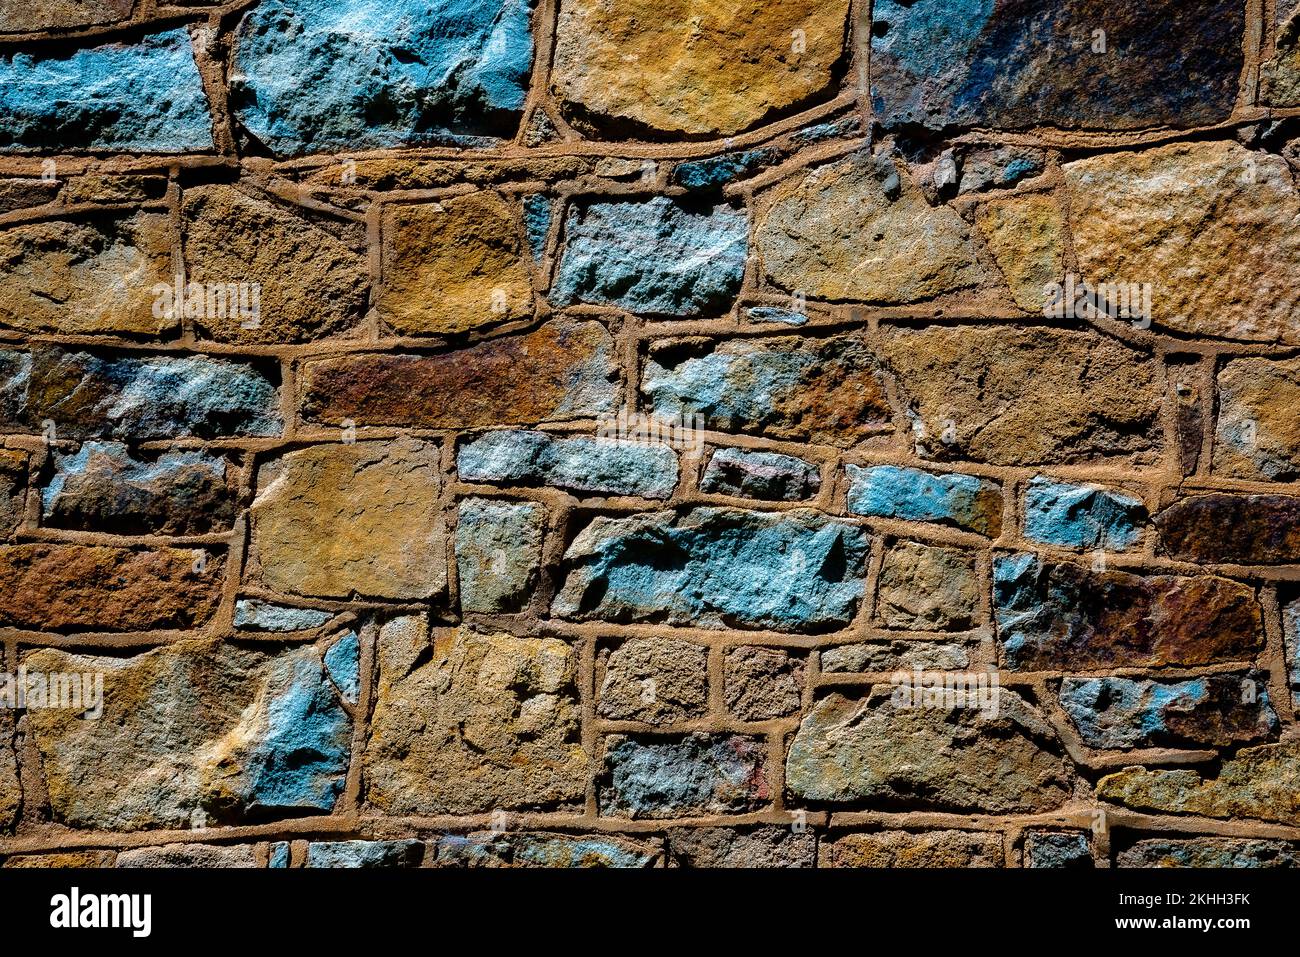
pixel 476 432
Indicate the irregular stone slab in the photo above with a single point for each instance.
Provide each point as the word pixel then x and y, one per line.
pixel 86 276
pixel 1058 849
pixel 25 193
pixel 582 463
pixel 762 684
pixel 310 76
pixel 311 284
pixel 454 265
pixel 895 656
pixel 143 97
pixel 364 854
pixel 562 370
pixel 658 256
pixel 1261 782
pixel 786 317
pixel 82 395
pixel 717 171
pixel 999 166
pixel 905 849
pixel 343 665
pixel 488 722
pixel 65 859
pixel 258 615
pixel 682 777
pixel 11 792
pixel 655 680
pixel 1222 852
pixel 1279 76
pixel 1209 225
pixel 1216 710
pixel 190 855
pixel 766 847
pixel 311 537
pixel 109 188
pixel 827 391
pixel 537 223
pixel 1026 396
pixel 498 553
pixel 761 475
pixel 1257 435
pixel 13 490
pixel 716 568
pixel 987 64
pixel 927 758
pixel 861 230
pixel 1027 237
pixel 19 16
pixel 262 733
pixel 1248 529
pixel 52 587
pixel 104 488
pixel 511 849
pixel 927 588
pixel 690 69
pixel 1060 615
pixel 888 491
pixel 1081 516
pixel 1291 636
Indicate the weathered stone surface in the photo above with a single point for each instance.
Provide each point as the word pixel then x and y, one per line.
pixel 1209 852
pixel 760 475
pixel 20 16
pixel 25 193
pixel 1216 710
pixel 659 256
pixel 563 370
pixel 581 463
pixel 320 75
pixel 1291 637
pixel 986 64
pixel 1062 615
pixel 1261 782
pixel 767 847
pixel 1058 849
pixel 311 538
pixel 894 656
pixel 82 395
pixel 928 588
pixel 11 792
pixel 537 223
pixel 822 390
pixel 860 229
pixel 656 680
pixel 487 722
pixel 365 854
pixel 717 171
pixel 13 488
pixel 762 683
pixel 132 97
pixel 256 615
pixel 512 849
pixel 311 283
pixel 110 188
pixel 1081 516
pixel 1209 225
pixel 887 491
pixel 104 488
pixel 194 732
pixel 48 587
pixel 998 166
pixel 906 849
pixel 1257 435
pixel 498 553
pixel 927 758
pixel 1279 76
pixel 64 859
pixel 85 276
pixel 682 777
pixel 190 855
pixel 1027 237
pixel 453 266
pixel 1248 529
pixel 716 568
pixel 1025 396
pixel 692 68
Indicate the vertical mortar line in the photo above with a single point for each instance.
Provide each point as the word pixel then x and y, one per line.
pixel 1254 43
pixel 1209 414
pixel 717 697
pixel 350 802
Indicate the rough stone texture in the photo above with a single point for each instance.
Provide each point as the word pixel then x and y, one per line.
pixel 822 390
pixel 1257 436
pixel 1081 516
pixel 866 750
pixel 1025 396
pixel 1207 224
pixel 473 723
pixel 312 284
pixel 1058 850
pixel 895 656
pixel 860 229
pixel 691 776
pixel 11 793
pixel 1064 615
pixel 367 854
pixel 488 849
pixel 13 487
pixel 189 855
pixel 498 553
pixel 715 568
pixel 924 588
pixel 1209 852
pixel 1248 529
pixel 887 491
pixel 454 266
pixel 560 371
pixel 765 847
pixel 906 849
pixel 655 680
pixel 760 475
pixel 691 68
pixel 761 684
pixel 262 732
pixel 581 464
pixel 1027 237
pixel 310 541
pixel 257 615
pixel 980 63
pixel 20 16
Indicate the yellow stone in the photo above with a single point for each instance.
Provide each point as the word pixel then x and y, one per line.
pixel 1027 237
